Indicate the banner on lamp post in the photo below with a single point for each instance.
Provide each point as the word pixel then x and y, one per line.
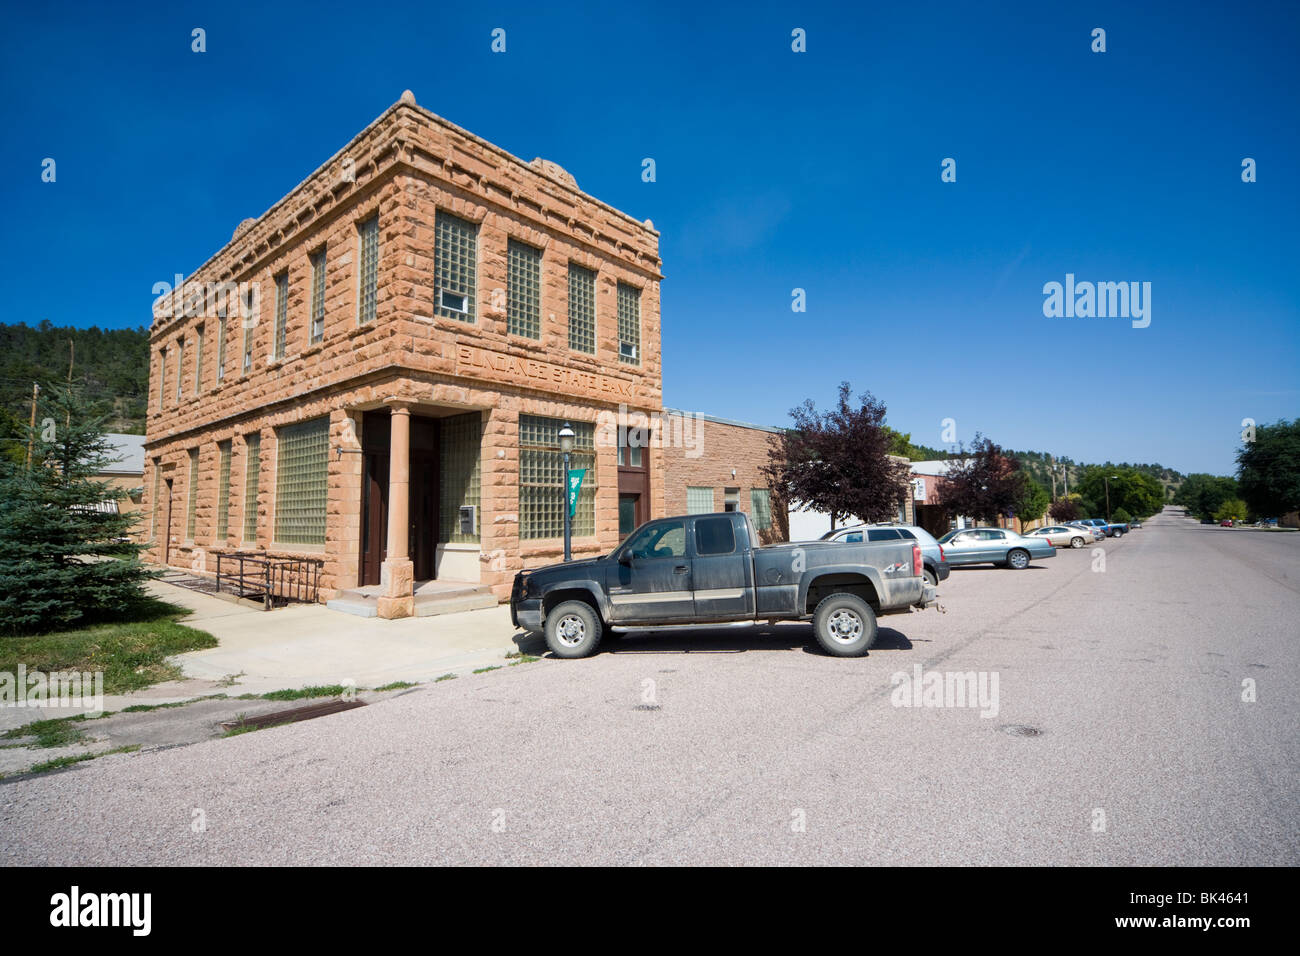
pixel 575 483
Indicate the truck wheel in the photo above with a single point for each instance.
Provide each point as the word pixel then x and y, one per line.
pixel 1119 533
pixel 931 578
pixel 845 625
pixel 1018 558
pixel 1076 542
pixel 573 629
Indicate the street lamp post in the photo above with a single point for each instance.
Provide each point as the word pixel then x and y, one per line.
pixel 566 445
pixel 1106 481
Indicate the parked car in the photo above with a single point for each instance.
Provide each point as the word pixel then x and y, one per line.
pixel 1094 534
pixel 1061 536
pixel 998 546
pixel 710 568
pixel 1225 523
pixel 1109 529
pixel 936 568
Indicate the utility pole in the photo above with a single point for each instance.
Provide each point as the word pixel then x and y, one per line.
pixel 1051 470
pixel 36 390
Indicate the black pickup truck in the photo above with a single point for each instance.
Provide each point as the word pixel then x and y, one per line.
pixel 710 568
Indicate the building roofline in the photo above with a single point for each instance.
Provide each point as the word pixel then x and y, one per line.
pixel 411 104
pixel 723 421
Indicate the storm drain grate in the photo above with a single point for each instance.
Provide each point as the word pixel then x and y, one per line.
pixel 293 716
pixel 1021 730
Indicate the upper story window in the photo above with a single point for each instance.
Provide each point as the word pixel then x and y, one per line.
pixel 162 377
pixel 221 348
pixel 523 290
pixel 317 296
pixel 582 309
pixel 455 266
pixel 368 259
pixel 281 314
pixel 250 322
pixel 630 444
pixel 198 361
pixel 629 324
pixel 180 361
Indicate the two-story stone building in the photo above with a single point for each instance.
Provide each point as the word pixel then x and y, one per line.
pixel 374 371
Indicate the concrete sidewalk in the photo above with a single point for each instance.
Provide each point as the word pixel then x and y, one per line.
pixel 308 644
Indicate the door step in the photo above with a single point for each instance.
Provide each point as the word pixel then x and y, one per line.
pixel 431 598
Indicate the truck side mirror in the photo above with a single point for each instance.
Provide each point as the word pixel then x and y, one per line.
pixel 625 559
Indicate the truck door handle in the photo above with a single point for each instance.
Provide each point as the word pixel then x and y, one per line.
pixel 680 569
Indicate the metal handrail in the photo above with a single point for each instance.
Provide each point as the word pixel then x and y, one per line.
pixel 282 579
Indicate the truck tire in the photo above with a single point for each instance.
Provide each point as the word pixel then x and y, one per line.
pixel 573 629
pixel 1018 558
pixel 844 625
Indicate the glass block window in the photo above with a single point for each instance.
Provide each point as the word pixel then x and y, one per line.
pixel 368 257
pixel 699 501
pixel 252 484
pixel 460 445
pixel 301 486
pixel 223 492
pixel 455 263
pixel 523 290
pixel 180 361
pixel 192 510
pixel 542 497
pixel 221 349
pixel 198 362
pixel 281 314
pixel 629 324
pixel 760 508
pixel 317 296
pixel 582 309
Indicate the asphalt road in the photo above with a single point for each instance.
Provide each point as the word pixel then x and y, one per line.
pixel 750 747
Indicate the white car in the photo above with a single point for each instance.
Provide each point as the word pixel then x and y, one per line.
pixel 1062 536
pixel 1098 534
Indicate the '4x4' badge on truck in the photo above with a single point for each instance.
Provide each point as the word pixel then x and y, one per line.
pixel 896 566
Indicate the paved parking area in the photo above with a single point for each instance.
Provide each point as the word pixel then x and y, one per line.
pixel 745 745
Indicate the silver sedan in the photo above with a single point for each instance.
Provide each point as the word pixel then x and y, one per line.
pixel 1059 536
pixel 993 546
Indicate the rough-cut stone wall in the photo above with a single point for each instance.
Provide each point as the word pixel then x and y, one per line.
pixel 403 167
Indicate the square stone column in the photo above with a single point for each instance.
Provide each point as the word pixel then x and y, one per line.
pixel 397 573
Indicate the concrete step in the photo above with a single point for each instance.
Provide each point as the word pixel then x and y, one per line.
pixel 363 607
pixel 427 605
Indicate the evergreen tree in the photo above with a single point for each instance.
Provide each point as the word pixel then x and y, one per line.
pixel 66 556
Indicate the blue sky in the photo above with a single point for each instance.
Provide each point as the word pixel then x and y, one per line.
pixel 775 170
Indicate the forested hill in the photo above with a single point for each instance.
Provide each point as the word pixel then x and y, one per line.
pixel 1037 465
pixel 110 365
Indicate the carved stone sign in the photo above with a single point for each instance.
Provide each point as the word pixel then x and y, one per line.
pixel 474 362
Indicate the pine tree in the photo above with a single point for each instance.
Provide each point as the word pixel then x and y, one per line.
pixel 66 555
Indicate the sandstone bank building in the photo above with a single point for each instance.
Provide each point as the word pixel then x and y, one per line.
pixel 374 372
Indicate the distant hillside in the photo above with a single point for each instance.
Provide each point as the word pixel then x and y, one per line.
pixel 1036 464
pixel 111 365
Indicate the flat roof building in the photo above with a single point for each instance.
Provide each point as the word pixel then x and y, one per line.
pixel 375 370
